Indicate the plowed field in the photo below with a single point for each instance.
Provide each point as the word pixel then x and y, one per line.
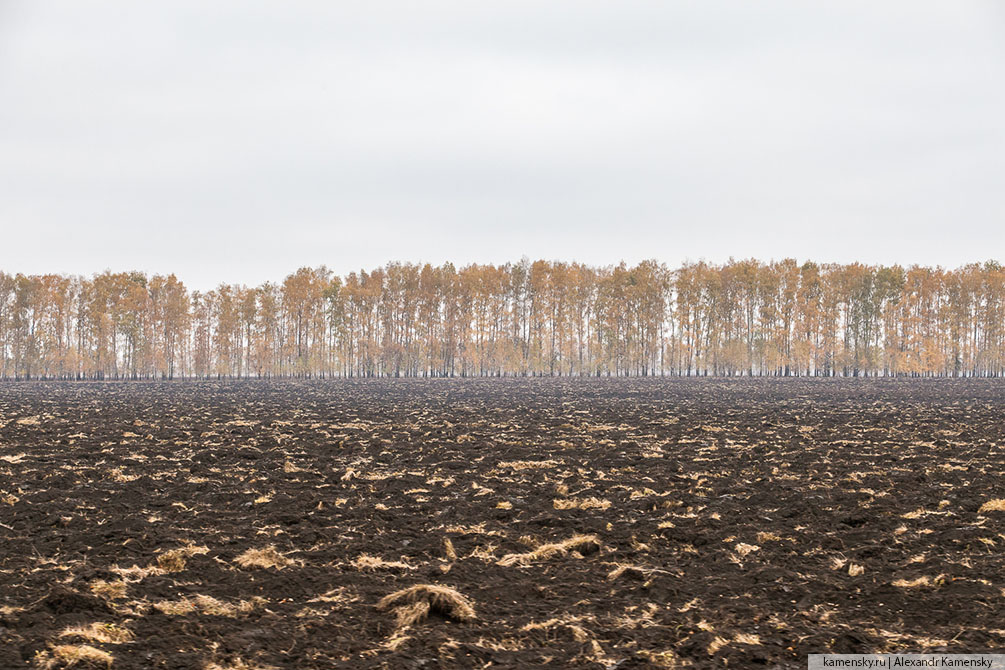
pixel 554 523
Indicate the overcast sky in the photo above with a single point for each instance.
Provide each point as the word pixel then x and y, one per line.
pixel 236 140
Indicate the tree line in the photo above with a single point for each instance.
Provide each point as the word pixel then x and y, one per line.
pixel 742 317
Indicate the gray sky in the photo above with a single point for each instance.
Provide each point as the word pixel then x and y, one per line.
pixel 236 141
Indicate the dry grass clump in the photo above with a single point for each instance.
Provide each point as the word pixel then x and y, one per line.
pixel 367 562
pixel 208 605
pixel 996 505
pixel 413 605
pixel 579 634
pixel 554 623
pixel 175 559
pixel 742 548
pixel 769 537
pixel 924 580
pixel 581 503
pixel 119 475
pixel 135 573
pixel 740 638
pixel 473 529
pixel 584 544
pixel 528 465
pixel 408 615
pixel 626 570
pixel 268 557
pixel 716 644
pixel 69 655
pixel 111 590
pixel 175 607
pixel 102 633
pixel 341 595
pixel 484 552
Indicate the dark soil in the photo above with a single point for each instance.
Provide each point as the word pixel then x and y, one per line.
pixel 757 521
